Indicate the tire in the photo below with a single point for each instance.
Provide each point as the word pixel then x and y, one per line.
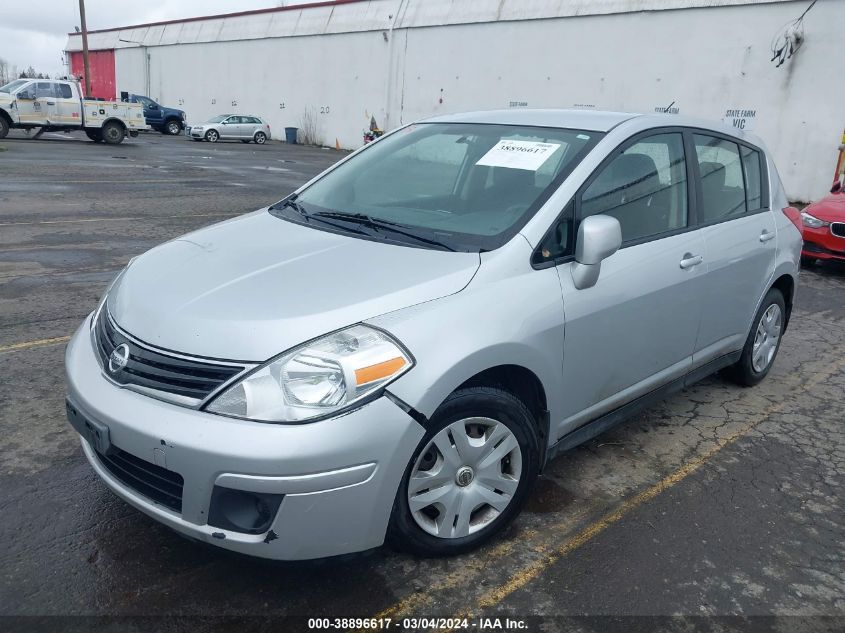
pixel 4 127
pixel 212 136
pixel 112 133
pixel 808 262
pixel 94 135
pixel 751 368
pixel 260 138
pixel 172 127
pixel 491 420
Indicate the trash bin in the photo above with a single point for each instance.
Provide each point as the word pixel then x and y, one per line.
pixel 290 135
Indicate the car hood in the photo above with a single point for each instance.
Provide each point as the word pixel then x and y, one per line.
pixel 253 287
pixel 831 208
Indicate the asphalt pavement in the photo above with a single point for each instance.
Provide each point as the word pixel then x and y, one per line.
pixel 718 509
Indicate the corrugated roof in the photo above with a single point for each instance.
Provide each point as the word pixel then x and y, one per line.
pixel 349 16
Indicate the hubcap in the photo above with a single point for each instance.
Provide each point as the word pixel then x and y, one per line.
pixel 174 128
pixel 465 477
pixel 766 338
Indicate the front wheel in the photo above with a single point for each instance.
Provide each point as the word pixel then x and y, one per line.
pixel 172 127
pixel 212 136
pixel 470 475
pixel 4 127
pixel 112 133
pixel 763 342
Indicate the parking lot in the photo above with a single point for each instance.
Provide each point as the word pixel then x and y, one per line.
pixel 720 501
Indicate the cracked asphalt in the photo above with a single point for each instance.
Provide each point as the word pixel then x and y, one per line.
pixel 720 508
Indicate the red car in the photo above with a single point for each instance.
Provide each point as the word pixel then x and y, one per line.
pixel 824 229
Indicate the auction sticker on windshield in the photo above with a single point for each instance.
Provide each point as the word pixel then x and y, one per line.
pixel 528 155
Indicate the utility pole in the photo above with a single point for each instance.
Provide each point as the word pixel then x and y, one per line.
pixel 85 49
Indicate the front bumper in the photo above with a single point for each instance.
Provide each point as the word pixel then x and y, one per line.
pixel 821 243
pixel 338 476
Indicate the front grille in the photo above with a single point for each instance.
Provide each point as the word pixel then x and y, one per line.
pixel 838 229
pixel 156 370
pixel 154 482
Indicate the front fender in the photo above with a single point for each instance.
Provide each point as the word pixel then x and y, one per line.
pixel 512 320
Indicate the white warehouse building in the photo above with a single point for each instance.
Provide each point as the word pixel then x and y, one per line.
pixel 342 62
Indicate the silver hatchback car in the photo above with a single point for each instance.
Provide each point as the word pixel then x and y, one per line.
pixel 395 350
pixel 241 127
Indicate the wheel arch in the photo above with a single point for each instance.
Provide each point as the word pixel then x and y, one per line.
pixel 785 283
pixel 6 116
pixel 522 375
pixel 113 120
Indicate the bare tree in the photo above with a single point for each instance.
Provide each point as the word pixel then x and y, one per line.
pixel 309 132
pixel 4 72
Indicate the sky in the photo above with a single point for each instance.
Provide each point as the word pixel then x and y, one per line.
pixel 30 37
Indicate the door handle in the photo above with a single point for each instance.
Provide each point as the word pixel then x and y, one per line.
pixel 765 236
pixel 51 103
pixel 689 260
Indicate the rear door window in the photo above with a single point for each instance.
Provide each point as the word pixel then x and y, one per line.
pixel 64 91
pixel 722 179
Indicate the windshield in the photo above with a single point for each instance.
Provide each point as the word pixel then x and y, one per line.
pixel 13 85
pixel 218 119
pixel 468 186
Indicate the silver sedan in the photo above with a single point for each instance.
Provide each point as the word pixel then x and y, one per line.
pixel 241 127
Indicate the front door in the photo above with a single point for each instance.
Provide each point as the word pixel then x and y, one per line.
pixel 229 128
pixel 30 110
pixel 636 328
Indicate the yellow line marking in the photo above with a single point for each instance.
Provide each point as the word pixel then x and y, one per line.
pixel 30 344
pixel 148 217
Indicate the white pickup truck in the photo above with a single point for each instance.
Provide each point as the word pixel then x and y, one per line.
pixel 53 105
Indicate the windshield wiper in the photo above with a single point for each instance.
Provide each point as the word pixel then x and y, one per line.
pixel 377 224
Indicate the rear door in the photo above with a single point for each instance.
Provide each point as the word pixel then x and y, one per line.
pixel 636 328
pixel 740 239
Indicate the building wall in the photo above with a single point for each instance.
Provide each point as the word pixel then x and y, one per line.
pixel 391 60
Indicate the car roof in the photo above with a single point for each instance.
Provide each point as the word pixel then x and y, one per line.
pixel 590 120
pixel 594 120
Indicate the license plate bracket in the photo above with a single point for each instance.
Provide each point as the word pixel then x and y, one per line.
pixel 95 433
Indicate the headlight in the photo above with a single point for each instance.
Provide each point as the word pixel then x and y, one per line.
pixel 811 221
pixel 317 379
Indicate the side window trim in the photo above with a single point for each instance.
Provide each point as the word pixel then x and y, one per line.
pixel 632 140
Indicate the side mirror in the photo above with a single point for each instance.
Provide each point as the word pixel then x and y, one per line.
pixel 26 95
pixel 153 106
pixel 599 237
